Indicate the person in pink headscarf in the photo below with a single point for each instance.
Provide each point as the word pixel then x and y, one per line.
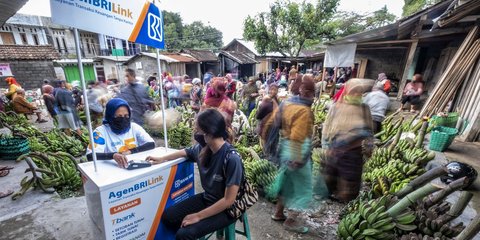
pixel 49 100
pixel 216 97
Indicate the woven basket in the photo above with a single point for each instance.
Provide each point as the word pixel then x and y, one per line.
pixel 12 148
pixel 441 138
pixel 449 121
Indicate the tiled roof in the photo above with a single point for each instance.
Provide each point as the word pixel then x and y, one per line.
pixel 202 55
pixel 28 52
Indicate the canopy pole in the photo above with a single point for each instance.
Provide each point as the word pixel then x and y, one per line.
pixel 85 99
pixel 161 99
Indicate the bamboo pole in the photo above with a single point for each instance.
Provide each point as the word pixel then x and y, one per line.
pixel 471 230
pixel 445 78
pixel 412 198
pixel 422 180
pixel 452 187
pixel 457 209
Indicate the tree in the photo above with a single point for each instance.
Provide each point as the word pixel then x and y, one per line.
pixel 197 35
pixel 173 27
pixel 346 23
pixel 288 26
pixel 413 6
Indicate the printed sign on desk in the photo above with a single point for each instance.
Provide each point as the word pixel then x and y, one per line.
pixel 124 19
pixel 133 210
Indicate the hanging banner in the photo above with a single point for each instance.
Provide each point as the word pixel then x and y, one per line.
pixel 340 55
pixel 124 19
pixel 5 70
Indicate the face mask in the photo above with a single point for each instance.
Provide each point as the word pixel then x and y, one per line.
pixel 120 125
pixel 200 138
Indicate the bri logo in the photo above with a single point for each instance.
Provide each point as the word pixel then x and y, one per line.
pixel 136 187
pixel 155 29
pixel 123 219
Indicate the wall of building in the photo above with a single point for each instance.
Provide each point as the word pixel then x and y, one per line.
pixel 112 71
pixel 28 31
pixel 388 61
pixel 148 66
pixel 30 74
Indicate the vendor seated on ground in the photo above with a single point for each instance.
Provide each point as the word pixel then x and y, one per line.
pixel 118 136
pixel 22 106
pixel 412 92
pixel 221 173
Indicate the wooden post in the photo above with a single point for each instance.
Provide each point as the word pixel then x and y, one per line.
pixel 411 55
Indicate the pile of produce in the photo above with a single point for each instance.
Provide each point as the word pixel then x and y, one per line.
pixel 418 211
pixel 50 172
pixel 401 200
pixel 180 126
pixel 53 141
pixel 319 109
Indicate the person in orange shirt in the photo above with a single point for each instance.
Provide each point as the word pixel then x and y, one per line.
pixel 20 105
pixel 13 85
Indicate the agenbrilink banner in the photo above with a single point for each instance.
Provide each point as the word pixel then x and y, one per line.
pixel 125 19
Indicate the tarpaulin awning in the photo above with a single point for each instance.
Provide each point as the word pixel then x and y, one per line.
pixel 340 55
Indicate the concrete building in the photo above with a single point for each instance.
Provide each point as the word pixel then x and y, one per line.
pixel 23 29
pixel 30 65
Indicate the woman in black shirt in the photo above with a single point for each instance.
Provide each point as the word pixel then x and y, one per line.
pixel 221 173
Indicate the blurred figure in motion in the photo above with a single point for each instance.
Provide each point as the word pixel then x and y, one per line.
pixel 231 86
pixel 137 97
pixel 250 94
pixel 387 85
pixel 49 100
pixel 265 115
pixel 196 95
pixel 378 102
pixel 217 98
pixel 94 105
pixel 294 185
pixel 347 136
pixel 67 115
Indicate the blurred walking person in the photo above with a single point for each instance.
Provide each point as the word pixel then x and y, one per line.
pixel 67 114
pixel 266 115
pixel 136 96
pixel 378 102
pixel 196 95
pixel 250 94
pixel 49 101
pixel 217 98
pixel 295 184
pixel 347 130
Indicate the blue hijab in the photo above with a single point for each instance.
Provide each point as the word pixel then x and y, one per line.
pixel 110 110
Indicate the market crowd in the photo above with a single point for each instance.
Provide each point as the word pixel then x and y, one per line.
pixel 283 101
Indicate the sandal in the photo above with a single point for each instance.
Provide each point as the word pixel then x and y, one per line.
pixel 296 229
pixel 6 194
pixel 279 219
pixel 2 167
pixel 4 173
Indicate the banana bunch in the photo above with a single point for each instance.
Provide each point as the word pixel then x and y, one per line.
pixel 380 157
pixel 394 170
pixel 36 145
pixel 383 186
pixel 260 173
pixel 417 155
pixel 56 171
pixel 372 221
pixel 353 205
pixel 430 221
pixel 11 118
pixel 180 135
pixel 318 155
pixel 415 236
pixel 60 142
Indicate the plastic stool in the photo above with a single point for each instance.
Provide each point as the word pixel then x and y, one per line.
pixel 230 231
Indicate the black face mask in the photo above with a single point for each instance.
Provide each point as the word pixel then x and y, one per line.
pixel 200 138
pixel 120 125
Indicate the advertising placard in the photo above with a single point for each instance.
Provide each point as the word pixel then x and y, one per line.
pixel 5 70
pixel 125 19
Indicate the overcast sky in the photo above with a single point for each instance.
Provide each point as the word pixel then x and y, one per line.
pixel 228 15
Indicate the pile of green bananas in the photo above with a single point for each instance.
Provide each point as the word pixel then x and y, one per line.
pixel 318 155
pixel 372 221
pixel 36 145
pixel 260 173
pixel 383 185
pixel 55 171
pixel 417 155
pixel 11 118
pixel 352 206
pixel 379 158
pixel 58 141
pixel 180 135
pixel 319 111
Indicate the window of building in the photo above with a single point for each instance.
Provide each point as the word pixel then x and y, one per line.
pixel 89 48
pixel 92 43
pixel 110 43
pixel 59 48
pixel 23 37
pixel 7 38
pixel 35 39
pixel 65 45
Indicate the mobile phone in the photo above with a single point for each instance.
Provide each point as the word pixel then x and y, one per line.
pixel 135 164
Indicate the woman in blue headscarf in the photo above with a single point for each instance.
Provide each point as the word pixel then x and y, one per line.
pixel 118 136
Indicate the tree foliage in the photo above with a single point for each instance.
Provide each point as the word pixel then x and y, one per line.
pixel 346 23
pixel 193 36
pixel 413 6
pixel 288 26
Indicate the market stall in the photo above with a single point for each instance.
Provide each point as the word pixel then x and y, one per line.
pixel 128 204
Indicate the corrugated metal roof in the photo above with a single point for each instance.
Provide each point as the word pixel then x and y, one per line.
pixel 201 55
pixel 114 58
pixel 239 57
pixel 25 20
pixel 28 52
pixel 9 8
pixel 183 58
